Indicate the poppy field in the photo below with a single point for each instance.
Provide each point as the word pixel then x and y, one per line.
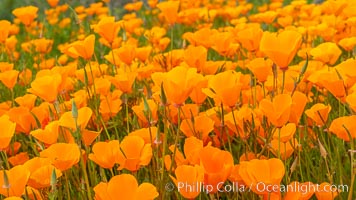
pixel 205 99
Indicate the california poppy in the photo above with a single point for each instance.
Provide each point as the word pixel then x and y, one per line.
pixel 135 153
pixel 4 32
pixel 326 52
pixel 195 56
pixel 26 14
pixel 19 159
pixel 105 154
pixel 217 165
pixel 46 87
pixel 9 78
pixel 199 126
pixel 170 10
pixel 125 186
pixel 281 48
pixel 107 28
pixel 179 83
pixel 63 155
pixel 261 68
pixel 250 38
pixel 49 135
pixel 278 110
pixel 41 171
pixel 188 177
pixel 285 133
pixel 84 115
pixel 270 172
pixel 228 95
pixel 8 130
pixel 17 178
pixel 328 192
pixel 84 49
pixel 296 193
pixel 319 113
pixel 344 127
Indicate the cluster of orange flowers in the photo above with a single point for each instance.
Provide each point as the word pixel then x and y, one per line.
pixel 176 91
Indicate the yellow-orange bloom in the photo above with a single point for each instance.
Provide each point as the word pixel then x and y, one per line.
pixel 63 155
pixel 188 176
pixel 7 131
pixel 17 178
pixel 126 187
pixel 4 31
pixel 26 14
pixel 281 48
pixel 108 29
pixel 278 110
pixel 84 49
pixel 135 153
pixel 270 172
pixel 169 10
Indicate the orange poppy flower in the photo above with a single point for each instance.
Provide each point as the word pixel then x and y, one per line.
pixel 195 56
pixel 278 110
pixel 142 113
pixel 17 178
pixel 269 172
pixel 84 49
pixel 126 54
pixel 9 78
pixel 49 135
pixel 107 28
pixel 135 153
pixel 143 53
pixel 229 95
pixel 8 130
pixel 27 100
pixel 18 159
pixel 199 126
pixel 169 10
pixel 53 3
pixel 343 126
pixel 179 83
pixel 5 66
pixel 43 45
pixel 296 193
pixel 319 113
pixel 125 186
pixel 123 80
pixel 23 118
pixel 261 68
pixel 188 179
pixel 46 87
pixel 351 101
pixel 281 48
pixel 106 154
pixel 348 43
pixel 328 192
pixel 197 95
pixel 146 134
pixel 110 105
pixel 84 115
pixel 299 101
pixel 133 6
pixel 5 29
pixel 284 149
pixel 217 166
pixel 285 133
pixel 41 171
pixel 327 53
pixel 250 38
pixel 26 14
pixel 62 155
